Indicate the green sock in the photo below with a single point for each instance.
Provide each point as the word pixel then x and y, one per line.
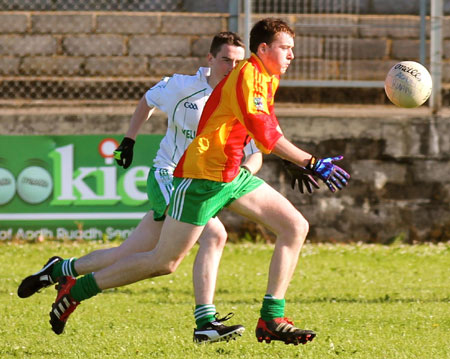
pixel 272 308
pixel 204 314
pixel 85 288
pixel 64 268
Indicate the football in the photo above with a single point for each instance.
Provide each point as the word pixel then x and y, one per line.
pixel 408 84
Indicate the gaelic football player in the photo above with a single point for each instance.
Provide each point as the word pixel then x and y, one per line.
pixel 182 97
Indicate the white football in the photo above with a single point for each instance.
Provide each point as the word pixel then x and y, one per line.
pixel 408 84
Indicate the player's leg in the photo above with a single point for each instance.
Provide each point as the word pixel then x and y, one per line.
pixel 177 238
pixel 206 265
pixel 268 207
pixel 192 205
pixel 143 238
pixel 146 234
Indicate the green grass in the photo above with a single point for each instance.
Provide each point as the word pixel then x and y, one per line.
pixel 363 302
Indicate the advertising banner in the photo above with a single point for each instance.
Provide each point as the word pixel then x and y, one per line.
pixel 70 187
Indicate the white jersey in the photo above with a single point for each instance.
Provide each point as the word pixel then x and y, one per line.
pixel 183 98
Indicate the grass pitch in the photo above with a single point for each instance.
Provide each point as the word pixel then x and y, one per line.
pixel 363 302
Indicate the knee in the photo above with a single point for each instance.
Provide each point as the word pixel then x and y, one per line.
pixel 220 238
pixel 297 228
pixel 164 265
pixel 167 268
pixel 302 228
pixel 214 239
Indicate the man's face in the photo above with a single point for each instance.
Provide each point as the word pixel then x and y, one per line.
pixel 277 56
pixel 225 60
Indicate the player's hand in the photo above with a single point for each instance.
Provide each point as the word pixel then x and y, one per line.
pixel 333 176
pixel 124 153
pixel 300 175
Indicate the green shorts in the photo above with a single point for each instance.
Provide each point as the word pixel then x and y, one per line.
pixel 196 201
pixel 159 191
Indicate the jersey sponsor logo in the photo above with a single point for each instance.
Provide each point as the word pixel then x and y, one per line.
pixel 259 103
pixel 189 133
pixel 190 105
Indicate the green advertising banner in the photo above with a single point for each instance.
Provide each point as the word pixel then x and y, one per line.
pixel 70 187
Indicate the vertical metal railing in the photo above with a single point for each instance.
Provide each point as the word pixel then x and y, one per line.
pixel 247 25
pixel 330 24
pixel 436 20
pixel 423 31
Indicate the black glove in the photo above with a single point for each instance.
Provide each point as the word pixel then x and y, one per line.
pixel 300 175
pixel 124 153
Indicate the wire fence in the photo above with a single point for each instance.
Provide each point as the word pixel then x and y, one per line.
pixel 97 49
pixel 91 5
pixel 336 46
pixel 115 50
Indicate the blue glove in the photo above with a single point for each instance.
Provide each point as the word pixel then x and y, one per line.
pixel 324 168
pixel 124 153
pixel 300 175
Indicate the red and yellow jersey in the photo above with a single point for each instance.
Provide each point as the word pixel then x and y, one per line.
pixel 239 108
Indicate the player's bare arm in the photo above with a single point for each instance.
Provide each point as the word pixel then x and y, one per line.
pixel 124 153
pixel 288 151
pixel 140 116
pixel 253 162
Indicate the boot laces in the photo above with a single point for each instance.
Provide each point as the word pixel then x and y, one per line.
pixel 223 319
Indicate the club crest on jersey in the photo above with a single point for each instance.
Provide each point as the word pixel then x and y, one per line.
pixel 259 103
pixel 191 105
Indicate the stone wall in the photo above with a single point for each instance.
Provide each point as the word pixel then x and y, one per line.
pixel 104 44
pixel 118 55
pixel 399 161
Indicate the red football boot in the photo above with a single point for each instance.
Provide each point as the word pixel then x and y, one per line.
pixel 282 329
pixel 64 304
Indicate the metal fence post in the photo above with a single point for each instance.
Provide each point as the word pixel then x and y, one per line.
pixel 233 20
pixel 436 54
pixel 247 24
pixel 423 31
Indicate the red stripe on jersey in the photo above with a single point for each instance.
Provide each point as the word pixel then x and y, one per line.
pixel 239 92
pixel 253 121
pixel 211 105
pixel 233 151
pixel 178 172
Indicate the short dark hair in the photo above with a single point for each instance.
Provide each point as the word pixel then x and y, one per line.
pixel 264 31
pixel 222 38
